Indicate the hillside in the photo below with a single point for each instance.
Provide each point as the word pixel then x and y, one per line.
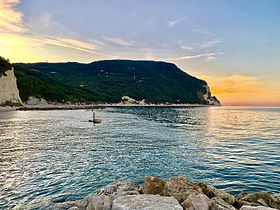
pixel 108 81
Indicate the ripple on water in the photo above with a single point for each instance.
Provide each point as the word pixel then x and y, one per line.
pixel 53 156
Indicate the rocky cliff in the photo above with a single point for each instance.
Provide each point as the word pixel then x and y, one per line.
pixel 212 100
pixel 9 94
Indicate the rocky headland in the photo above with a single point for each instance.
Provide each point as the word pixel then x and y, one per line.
pixel 177 193
pixel 111 82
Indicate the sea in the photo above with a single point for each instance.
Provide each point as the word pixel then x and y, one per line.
pixel 47 157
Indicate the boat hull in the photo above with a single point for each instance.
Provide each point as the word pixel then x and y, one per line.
pixel 95 121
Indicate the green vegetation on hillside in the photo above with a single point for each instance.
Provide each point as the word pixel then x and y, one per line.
pixel 108 81
pixel 4 66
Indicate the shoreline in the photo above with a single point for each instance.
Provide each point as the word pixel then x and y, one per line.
pixel 93 106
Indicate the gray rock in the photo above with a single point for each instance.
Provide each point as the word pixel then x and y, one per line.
pixel 256 208
pixel 63 206
pixel 276 197
pixel 153 185
pixel 219 204
pixel 180 188
pixel 241 195
pixel 145 202
pixel 95 202
pixel 259 199
pixel 101 202
pixel 224 195
pixel 197 202
pixel 120 188
pixel 211 192
pixel 206 189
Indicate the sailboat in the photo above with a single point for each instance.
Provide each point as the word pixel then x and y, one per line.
pixel 94 120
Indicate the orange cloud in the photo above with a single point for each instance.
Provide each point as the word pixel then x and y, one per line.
pixel 243 90
pixel 26 48
pixel 10 18
pixel 20 46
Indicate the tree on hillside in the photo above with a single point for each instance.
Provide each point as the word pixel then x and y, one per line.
pixel 4 65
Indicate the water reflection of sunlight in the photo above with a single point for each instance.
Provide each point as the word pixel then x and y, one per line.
pixel 238 131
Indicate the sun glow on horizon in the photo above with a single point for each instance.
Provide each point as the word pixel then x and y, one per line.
pixel 239 90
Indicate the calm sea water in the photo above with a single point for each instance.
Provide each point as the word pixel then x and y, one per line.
pixel 53 156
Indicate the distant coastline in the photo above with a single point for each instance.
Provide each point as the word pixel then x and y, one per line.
pixel 95 106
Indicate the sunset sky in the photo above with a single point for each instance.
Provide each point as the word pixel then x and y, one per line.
pixel 234 45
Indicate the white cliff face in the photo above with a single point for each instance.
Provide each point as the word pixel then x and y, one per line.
pixel 212 100
pixel 129 100
pixel 9 94
pixel 36 101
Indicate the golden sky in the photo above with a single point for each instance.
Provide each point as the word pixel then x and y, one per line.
pixel 243 90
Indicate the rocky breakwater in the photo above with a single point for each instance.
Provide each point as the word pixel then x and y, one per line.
pixel 178 193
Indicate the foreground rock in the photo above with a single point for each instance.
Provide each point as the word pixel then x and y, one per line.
pixel 153 185
pixel 220 204
pixel 211 192
pixel 180 188
pixel 120 188
pixel 258 199
pixel 89 203
pixel 145 202
pixel 176 193
pixel 197 202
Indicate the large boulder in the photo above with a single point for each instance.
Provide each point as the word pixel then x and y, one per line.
pixel 211 192
pixel 258 199
pixel 120 188
pixel 207 190
pixel 63 206
pixel 197 202
pixel 256 208
pixel 276 197
pixel 145 202
pixel 219 204
pixel 95 202
pixel 180 188
pixel 101 202
pixel 153 185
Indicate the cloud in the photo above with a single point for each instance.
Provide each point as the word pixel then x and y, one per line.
pixel 119 41
pixel 209 44
pixel 172 23
pixel 234 84
pixel 211 58
pixel 189 57
pixel 71 43
pixel 197 47
pixel 16 41
pixel 186 47
pixel 74 44
pixel 10 17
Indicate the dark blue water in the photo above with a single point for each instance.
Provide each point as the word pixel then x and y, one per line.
pixel 53 156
